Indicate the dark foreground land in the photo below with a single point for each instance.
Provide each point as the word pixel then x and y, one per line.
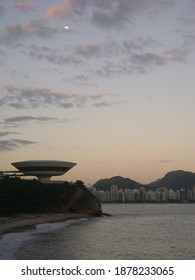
pixel 28 202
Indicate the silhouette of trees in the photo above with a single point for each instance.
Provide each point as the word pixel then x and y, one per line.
pixel 31 196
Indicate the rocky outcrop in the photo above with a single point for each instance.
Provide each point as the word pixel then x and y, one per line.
pixel 31 196
pixel 84 202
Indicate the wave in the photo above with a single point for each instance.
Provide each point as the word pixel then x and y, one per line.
pixel 11 242
pixel 41 228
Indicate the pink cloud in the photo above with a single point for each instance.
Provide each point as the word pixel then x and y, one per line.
pixel 178 55
pixel 151 98
pixel 60 10
pixel 22 6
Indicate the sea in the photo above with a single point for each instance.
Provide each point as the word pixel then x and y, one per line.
pixel 129 232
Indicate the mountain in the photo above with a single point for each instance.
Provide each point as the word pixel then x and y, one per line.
pixel 105 184
pixel 176 180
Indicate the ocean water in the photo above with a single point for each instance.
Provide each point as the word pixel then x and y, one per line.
pixel 133 231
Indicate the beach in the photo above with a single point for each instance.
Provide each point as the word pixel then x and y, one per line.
pixel 24 221
pixel 131 232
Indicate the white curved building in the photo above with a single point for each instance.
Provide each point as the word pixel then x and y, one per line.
pixel 43 169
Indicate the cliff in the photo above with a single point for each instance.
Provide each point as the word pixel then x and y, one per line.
pixel 31 196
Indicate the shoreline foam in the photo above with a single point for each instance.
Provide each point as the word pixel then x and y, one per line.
pixel 25 221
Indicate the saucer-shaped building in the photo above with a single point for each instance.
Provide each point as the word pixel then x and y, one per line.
pixel 43 169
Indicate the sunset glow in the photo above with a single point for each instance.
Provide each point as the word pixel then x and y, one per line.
pixel 115 93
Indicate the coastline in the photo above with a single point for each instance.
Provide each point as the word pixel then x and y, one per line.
pixel 25 221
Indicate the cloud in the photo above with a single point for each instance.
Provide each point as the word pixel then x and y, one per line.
pixel 6 133
pixel 151 98
pixel 129 56
pixel 13 144
pixel 166 161
pixel 34 28
pixel 139 61
pixel 80 80
pixel 102 104
pixel 69 7
pixel 115 14
pixel 147 59
pixel 82 53
pixel 21 97
pixel 3 55
pixel 23 6
pixel 61 10
pixel 27 97
pixel 27 118
pixel 51 55
pixel 106 104
pixel 14 121
pixel 88 51
pixel 187 19
pixel 176 55
pixel 109 13
pixel 139 44
pixel 2 10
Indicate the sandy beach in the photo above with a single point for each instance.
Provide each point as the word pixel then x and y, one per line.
pixel 24 221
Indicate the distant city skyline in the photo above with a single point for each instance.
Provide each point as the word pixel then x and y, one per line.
pixel 106 84
pixel 143 195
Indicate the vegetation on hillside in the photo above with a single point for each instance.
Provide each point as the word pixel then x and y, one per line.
pixel 105 184
pixel 31 196
pixel 175 179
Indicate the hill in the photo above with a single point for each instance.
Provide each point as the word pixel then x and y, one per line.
pixel 176 180
pixel 105 184
pixel 31 196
